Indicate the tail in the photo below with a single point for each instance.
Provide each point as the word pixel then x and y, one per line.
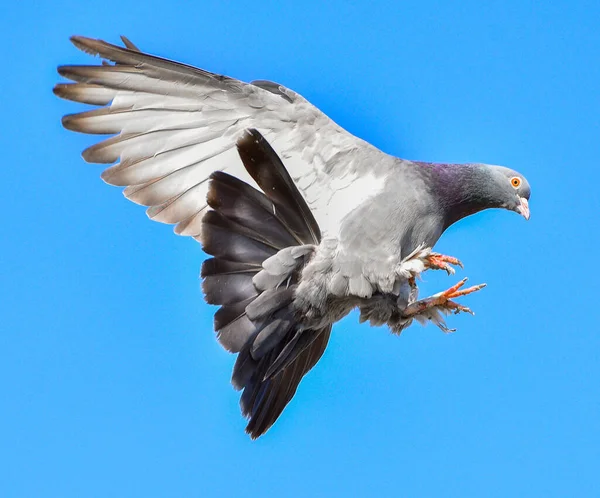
pixel 260 242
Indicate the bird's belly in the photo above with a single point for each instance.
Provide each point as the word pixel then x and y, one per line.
pixel 425 231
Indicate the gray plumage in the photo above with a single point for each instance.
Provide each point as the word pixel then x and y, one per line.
pixel 304 221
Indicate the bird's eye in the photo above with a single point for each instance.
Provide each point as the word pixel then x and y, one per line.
pixel 515 181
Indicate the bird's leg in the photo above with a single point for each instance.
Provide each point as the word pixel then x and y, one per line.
pixel 436 261
pixel 441 301
pixel 414 290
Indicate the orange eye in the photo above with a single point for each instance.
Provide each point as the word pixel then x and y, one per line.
pixel 515 181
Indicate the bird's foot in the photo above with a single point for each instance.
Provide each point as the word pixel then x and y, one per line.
pixel 430 307
pixel 436 261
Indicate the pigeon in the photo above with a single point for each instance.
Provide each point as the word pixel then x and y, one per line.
pixel 302 221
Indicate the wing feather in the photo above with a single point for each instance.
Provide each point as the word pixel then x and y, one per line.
pixel 174 124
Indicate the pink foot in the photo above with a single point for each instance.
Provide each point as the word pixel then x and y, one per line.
pixel 443 301
pixel 436 261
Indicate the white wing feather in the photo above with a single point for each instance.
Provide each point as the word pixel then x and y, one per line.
pixel 176 124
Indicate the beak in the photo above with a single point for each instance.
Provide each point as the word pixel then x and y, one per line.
pixel 523 208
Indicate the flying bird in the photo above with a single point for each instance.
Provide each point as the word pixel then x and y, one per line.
pixel 303 221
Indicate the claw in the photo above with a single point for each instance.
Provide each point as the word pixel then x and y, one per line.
pixel 444 328
pixel 456 308
pixel 450 259
pixel 436 261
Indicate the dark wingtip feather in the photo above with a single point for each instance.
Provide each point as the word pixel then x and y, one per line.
pixel 69 121
pixel 85 44
pixel 265 167
pixel 79 122
pixel 63 70
pixel 95 47
pixel 84 93
pixel 59 90
pixel 129 44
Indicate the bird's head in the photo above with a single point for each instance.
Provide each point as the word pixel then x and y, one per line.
pixel 467 189
pixel 510 190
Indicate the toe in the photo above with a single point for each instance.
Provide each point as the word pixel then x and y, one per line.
pixel 458 308
pixel 452 290
pixel 464 292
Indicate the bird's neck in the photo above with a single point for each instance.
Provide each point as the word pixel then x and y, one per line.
pixel 462 190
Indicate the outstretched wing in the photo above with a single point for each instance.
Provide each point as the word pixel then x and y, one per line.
pixel 175 124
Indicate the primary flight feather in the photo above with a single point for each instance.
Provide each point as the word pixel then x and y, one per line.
pixel 304 220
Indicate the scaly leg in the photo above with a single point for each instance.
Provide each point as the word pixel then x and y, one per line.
pixel 442 301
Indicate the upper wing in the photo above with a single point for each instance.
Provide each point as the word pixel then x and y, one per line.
pixel 176 124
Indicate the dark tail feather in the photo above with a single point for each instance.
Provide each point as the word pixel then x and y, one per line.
pixel 264 399
pixel 247 227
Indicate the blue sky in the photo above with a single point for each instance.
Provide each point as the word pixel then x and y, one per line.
pixel 112 381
